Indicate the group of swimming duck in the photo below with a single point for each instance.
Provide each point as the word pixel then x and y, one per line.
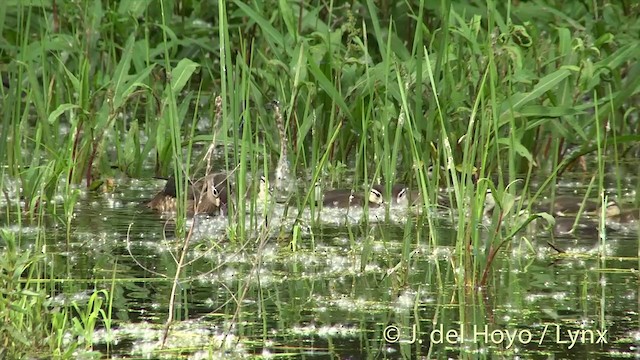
pixel 209 195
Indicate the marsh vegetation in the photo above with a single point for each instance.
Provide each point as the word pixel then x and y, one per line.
pixel 391 169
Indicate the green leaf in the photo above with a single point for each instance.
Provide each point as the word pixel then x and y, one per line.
pixel 621 56
pixel 182 73
pixel 133 8
pixel 549 111
pixel 578 128
pixel 377 29
pixel 272 34
pixel 159 50
pixel 287 16
pixel 328 87
pixel 122 72
pixel 518 148
pixel 546 216
pixel 75 82
pixel 136 82
pixel 517 101
pixel 55 114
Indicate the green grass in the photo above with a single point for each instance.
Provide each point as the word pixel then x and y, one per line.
pixel 498 91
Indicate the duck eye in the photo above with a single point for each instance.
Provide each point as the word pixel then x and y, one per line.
pixel 375 196
pixel 402 193
pixel 430 171
pixel 215 192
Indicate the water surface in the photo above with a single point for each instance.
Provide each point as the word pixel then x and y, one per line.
pixel 343 285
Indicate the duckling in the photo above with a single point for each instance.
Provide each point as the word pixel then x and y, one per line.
pixel 403 196
pixel 399 193
pixel 203 196
pixel 563 225
pixel 408 197
pixel 265 191
pixel 489 203
pixel 568 226
pixel 506 204
pixel 624 216
pixel 347 198
pixel 264 195
pixel 567 205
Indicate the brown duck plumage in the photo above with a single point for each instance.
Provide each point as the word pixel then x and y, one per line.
pixel 566 205
pixel 624 216
pixel 204 196
pixel 344 198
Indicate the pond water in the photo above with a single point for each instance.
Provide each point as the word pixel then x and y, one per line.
pixel 340 287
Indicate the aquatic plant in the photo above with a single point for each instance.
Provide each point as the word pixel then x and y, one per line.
pixel 467 96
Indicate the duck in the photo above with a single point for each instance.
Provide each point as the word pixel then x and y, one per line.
pixel 402 195
pixel 506 203
pixel 344 198
pixel 566 205
pixel 569 225
pixel 263 197
pixel 399 193
pixel 204 196
pixel 408 197
pixel 265 191
pixel 624 216
pixel 588 227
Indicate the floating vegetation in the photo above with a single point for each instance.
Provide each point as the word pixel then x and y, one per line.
pixel 331 179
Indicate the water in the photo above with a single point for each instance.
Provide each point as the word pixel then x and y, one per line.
pixel 345 291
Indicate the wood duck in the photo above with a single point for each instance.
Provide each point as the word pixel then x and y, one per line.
pixel 205 196
pixel 343 198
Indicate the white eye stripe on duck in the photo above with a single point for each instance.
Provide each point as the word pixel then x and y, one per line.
pixel 612 209
pixel 489 201
pixel 403 196
pixel 318 190
pixel 264 184
pixel 264 190
pixel 375 196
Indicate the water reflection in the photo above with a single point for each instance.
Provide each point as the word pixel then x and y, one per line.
pixel 346 286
